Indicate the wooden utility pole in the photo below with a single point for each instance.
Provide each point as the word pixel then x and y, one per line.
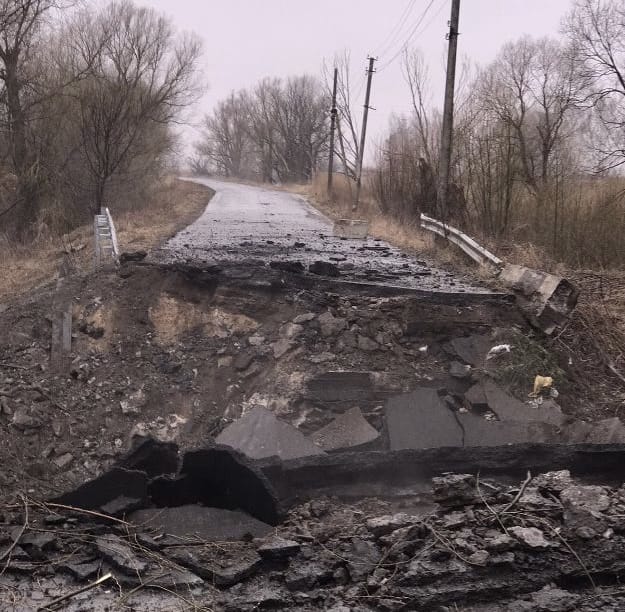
pixel 364 132
pixel 332 127
pixel 444 163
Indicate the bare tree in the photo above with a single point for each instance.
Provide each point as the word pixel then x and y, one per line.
pixel 416 75
pixel 533 87
pixel 348 131
pixel 19 23
pixel 596 33
pixel 144 77
pixel 277 130
pixel 225 142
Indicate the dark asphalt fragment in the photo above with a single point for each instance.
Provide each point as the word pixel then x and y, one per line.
pixel 294 267
pixel 324 268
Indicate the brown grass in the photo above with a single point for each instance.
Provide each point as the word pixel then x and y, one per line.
pixel 407 236
pixel 173 205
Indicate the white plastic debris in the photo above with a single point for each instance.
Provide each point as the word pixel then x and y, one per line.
pixel 497 350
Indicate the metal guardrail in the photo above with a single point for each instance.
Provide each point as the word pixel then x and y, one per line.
pixel 105 238
pixel 475 251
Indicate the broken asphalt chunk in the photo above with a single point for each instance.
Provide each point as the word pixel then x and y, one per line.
pixel 221 477
pixel 341 387
pixel 151 456
pixel 324 268
pixel 479 431
pixel 97 493
pixel 607 431
pixel 455 489
pixel 259 434
pixel 294 267
pixel 348 430
pixel 421 420
pixel 508 408
pixel 120 555
pixel 530 536
pixel 276 547
pixel 222 568
pixel 459 370
pixel 194 522
pixel 82 571
pixel 470 349
pixel 132 256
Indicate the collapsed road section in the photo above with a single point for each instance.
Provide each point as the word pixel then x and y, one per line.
pixel 238 436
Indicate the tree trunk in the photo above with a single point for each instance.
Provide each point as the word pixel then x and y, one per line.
pixel 26 192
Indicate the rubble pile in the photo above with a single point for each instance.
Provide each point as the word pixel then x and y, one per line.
pixel 549 544
pixel 282 440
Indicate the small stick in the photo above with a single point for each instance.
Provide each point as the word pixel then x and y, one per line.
pixel 490 508
pixel 14 366
pixel 90 586
pixel 8 551
pixel 519 494
pixel 82 511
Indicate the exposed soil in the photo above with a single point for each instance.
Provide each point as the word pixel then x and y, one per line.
pixel 175 352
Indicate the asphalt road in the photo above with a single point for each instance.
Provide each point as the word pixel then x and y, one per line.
pixel 251 225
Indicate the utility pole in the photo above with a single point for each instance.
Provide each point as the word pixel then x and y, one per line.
pixel 332 127
pixel 363 135
pixel 444 163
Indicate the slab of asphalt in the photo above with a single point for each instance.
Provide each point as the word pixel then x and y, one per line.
pixel 348 430
pixel 259 434
pixel 420 420
pixel 198 523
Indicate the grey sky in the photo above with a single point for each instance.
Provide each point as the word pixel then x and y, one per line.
pixel 246 40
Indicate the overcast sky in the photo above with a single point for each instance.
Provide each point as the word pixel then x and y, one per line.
pixel 246 40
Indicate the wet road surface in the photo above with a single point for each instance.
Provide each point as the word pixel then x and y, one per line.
pixel 251 225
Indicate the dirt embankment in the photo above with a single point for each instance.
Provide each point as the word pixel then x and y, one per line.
pixel 174 205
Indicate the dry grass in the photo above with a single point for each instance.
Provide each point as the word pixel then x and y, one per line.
pixel 172 206
pixel 407 236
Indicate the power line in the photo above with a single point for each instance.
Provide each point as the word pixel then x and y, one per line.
pixel 382 48
pixel 409 37
pixel 434 16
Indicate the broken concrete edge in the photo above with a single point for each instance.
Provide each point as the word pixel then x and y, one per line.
pixel 302 478
pixel 547 299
